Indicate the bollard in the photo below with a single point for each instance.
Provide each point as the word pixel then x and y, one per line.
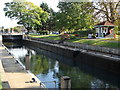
pixel 65 83
pixel 27 62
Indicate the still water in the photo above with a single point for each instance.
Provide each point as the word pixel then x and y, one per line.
pixel 50 67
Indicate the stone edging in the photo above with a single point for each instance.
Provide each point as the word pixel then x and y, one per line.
pixel 94 48
pixel 83 46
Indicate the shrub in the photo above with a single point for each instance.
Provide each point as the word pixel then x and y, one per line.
pixel 83 33
pixel 76 35
pixel 93 36
pixel 72 37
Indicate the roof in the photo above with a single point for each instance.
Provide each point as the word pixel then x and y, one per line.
pixel 105 23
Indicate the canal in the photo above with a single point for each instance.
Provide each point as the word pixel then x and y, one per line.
pixel 50 67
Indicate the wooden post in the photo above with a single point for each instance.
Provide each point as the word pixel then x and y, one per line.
pixel 65 83
pixel 27 62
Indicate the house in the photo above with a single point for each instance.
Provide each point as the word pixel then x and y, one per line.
pixel 104 30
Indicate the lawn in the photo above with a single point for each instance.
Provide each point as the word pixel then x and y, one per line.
pixel 113 39
pixel 52 36
pixel 99 42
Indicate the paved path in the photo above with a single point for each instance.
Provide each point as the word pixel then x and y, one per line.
pixel 13 72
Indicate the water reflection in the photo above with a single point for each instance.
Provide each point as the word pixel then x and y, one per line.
pixel 48 66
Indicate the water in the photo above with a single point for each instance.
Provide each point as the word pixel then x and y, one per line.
pixel 50 67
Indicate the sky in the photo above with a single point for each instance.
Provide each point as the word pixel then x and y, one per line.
pixel 7 22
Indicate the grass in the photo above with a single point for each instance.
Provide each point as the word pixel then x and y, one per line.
pixel 52 36
pixel 99 42
pixel 39 36
pixel 111 39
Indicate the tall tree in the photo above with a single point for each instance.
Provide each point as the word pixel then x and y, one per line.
pixel 27 14
pixel 74 15
pixel 50 24
pixel 107 10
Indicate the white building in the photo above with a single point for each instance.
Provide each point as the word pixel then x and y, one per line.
pixel 104 30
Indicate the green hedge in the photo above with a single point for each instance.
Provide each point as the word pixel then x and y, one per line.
pixel 84 33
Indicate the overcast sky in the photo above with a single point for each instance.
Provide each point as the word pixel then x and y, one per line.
pixel 7 23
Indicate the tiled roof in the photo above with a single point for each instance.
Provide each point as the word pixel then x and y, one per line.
pixel 105 23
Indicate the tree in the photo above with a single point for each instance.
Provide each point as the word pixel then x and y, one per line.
pixel 27 14
pixel 45 7
pixel 74 15
pixel 50 24
pixel 107 10
pixel 18 28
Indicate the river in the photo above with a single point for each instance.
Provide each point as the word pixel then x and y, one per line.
pixel 50 67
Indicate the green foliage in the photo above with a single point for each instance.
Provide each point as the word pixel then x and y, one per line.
pixel 27 14
pixel 72 37
pixel 117 27
pixel 18 28
pixel 116 30
pixel 50 23
pixel 74 15
pixel 45 7
pixel 6 30
pixel 83 33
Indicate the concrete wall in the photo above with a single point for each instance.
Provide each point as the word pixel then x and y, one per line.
pixel 55 48
pixel 99 61
pixel 103 49
pixel 9 38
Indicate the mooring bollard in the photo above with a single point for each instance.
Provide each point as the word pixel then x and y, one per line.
pixel 65 83
pixel 27 62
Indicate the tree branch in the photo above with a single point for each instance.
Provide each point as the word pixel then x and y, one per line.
pixel 118 4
